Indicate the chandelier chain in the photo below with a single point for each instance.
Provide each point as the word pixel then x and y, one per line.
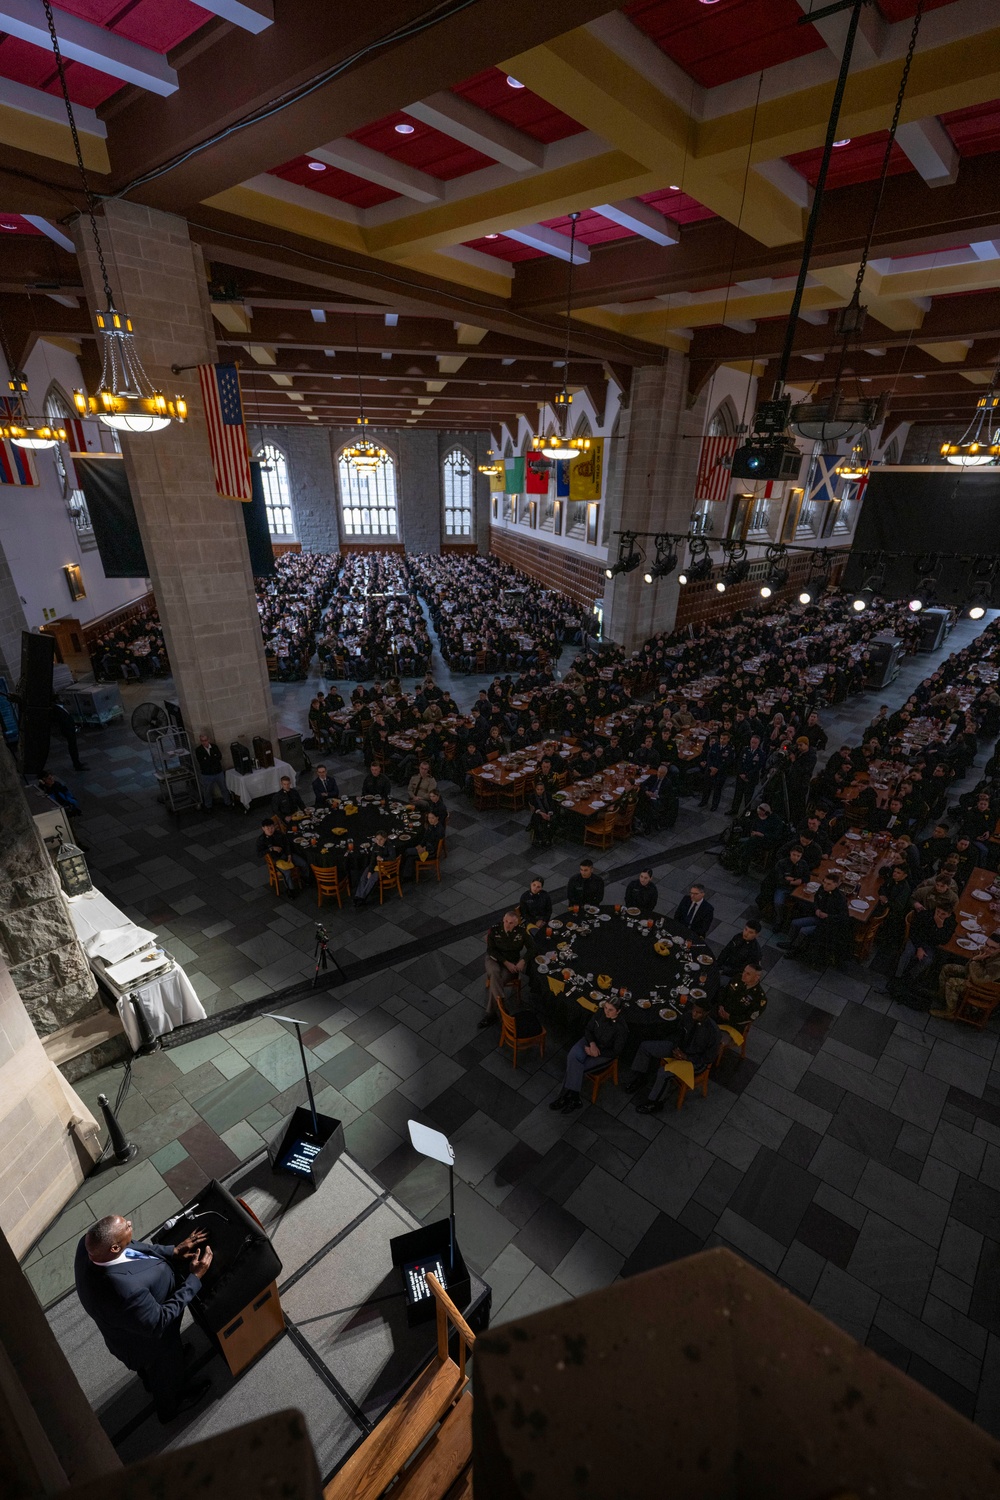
pixel 89 193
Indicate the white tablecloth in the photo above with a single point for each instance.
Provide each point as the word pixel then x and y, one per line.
pixel 168 1000
pixel 259 783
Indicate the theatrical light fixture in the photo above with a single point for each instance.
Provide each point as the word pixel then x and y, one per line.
pixel 666 560
pixel 979 444
pixel 555 444
pixel 927 567
pixel 629 556
pixel 776 575
pixel 915 606
pixel 700 567
pixel 804 598
pixel 737 565
pixel 976 611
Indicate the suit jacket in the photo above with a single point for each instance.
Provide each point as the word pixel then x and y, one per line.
pixel 702 919
pixel 324 790
pixel 135 1303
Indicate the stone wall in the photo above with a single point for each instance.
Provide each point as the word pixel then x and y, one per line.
pixel 37 941
pixel 312 454
pixel 924 439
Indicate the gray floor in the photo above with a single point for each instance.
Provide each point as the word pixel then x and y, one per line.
pixel 854 1155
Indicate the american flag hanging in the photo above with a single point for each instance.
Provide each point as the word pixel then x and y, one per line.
pixel 713 474
pixel 17 466
pixel 227 436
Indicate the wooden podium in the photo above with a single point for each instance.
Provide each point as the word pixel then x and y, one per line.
pixel 250 1332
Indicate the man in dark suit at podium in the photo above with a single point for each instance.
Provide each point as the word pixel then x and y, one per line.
pixel 137 1300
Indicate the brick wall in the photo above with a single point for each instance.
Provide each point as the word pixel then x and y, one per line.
pixel 554 567
pixel 700 602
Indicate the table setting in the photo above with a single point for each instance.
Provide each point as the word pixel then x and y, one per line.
pixel 325 837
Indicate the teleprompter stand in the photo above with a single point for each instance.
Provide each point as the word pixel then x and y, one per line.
pixel 308 1143
pixel 434 1247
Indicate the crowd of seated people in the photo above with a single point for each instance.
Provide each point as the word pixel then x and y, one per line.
pixel 290 604
pixel 131 650
pixel 374 625
pixel 489 617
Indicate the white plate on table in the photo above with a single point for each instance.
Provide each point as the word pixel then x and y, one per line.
pixel 852 836
pixel 632 911
pixel 705 958
pixel 971 924
pixel 858 904
pixel 982 896
pixel 666 1014
pixel 593 911
pixel 811 886
pixel 967 944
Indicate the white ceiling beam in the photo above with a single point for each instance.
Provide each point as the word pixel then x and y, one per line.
pixel 471 257
pixel 986 249
pixel 783 176
pixel 56 235
pixel 373 166
pixel 641 219
pixel 931 150
pixel 814 316
pixel 89 44
pixel 254 16
pixel 549 240
pixel 49 107
pixel 465 122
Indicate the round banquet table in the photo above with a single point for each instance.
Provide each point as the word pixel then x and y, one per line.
pixel 647 957
pixel 325 838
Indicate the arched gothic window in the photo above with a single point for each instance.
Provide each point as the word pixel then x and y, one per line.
pixel 457 481
pixel 57 409
pixel 368 501
pixel 724 420
pixel 277 496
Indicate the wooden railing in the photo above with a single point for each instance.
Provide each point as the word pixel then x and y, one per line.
pixel 424 1441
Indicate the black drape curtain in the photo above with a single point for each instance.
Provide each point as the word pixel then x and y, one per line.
pixel 109 500
pixel 258 530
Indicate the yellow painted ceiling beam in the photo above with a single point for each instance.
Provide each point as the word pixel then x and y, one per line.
pixel 49 138
pixel 948 354
pixel 953 76
pixel 650 326
pixel 602 178
pixel 588 81
pixel 971 276
pixel 897 313
pixel 747 305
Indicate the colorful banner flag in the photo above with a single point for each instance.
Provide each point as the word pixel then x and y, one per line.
pixel 537 471
pixel 17 465
pixel 86 435
pixel 713 471
pixel 562 479
pixel 586 473
pixel 227 436
pixel 497 483
pixel 514 476
pixel 823 482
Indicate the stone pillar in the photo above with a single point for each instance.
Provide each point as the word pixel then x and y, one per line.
pixel 651 488
pixel 421 503
pixel 12 622
pixel 195 542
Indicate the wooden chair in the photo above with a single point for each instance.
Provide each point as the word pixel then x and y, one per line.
pixel 624 819
pixel 687 1079
pixel 423 866
pixel 738 1039
pixel 523 1030
pixel 388 877
pixel 330 882
pixel 601 1075
pixel 485 795
pixel 276 877
pixel 977 1003
pixel 512 796
pixel 424 1441
pixel 865 940
pixel 600 835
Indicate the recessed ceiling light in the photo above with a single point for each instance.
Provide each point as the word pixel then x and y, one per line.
pixel 845 142
pixel 675 187
pixel 402 129
pixel 514 83
pixel 11 227
pixel 317 166
pixel 489 236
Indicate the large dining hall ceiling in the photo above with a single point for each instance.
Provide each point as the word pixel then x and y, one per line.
pixel 383 194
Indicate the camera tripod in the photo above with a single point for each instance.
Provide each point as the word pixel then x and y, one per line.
pixel 324 958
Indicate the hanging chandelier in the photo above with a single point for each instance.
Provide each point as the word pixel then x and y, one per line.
pixel 853 467
pixel 364 456
pixel 127 399
pixel 492 465
pixel 554 444
pixel 979 444
pixel 18 426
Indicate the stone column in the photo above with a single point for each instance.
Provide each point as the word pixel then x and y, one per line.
pixel 651 488
pixel 195 542
pixel 12 622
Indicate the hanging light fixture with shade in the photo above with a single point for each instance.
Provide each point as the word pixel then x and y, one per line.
pixel 835 416
pixel 979 444
pixel 555 444
pixel 17 425
pixel 364 456
pixel 127 399
pixel 855 466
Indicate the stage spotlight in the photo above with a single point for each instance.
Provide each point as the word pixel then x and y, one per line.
pixel 805 597
pixel 700 566
pixel 766 591
pixel 915 606
pixel 666 560
pixel 859 603
pixel 629 556
pixel 976 612
pixel 720 586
